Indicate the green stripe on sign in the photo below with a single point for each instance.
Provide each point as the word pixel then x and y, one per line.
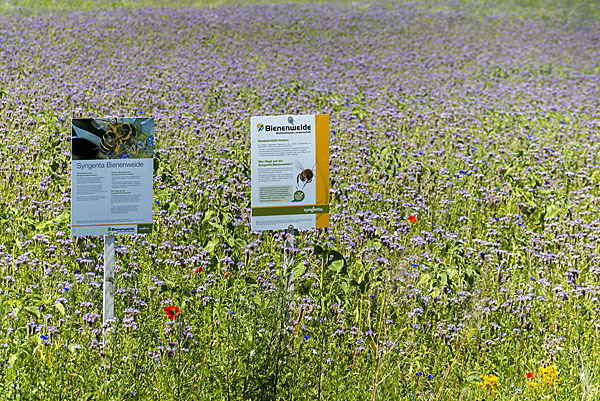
pixel 287 210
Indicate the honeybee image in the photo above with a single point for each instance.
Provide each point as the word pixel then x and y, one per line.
pixel 115 136
pixel 305 176
pixel 112 138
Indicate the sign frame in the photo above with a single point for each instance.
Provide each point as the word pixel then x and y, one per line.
pixel 289 159
pixel 112 175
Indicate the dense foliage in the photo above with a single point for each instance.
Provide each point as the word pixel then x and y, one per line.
pixel 462 258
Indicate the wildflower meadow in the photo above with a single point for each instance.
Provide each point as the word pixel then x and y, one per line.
pixel 462 257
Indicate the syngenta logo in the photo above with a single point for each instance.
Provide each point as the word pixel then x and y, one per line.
pixel 260 127
pixel 313 209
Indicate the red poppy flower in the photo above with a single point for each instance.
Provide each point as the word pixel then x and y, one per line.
pixel 529 375
pixel 198 269
pixel 227 274
pixel 172 312
pixel 412 219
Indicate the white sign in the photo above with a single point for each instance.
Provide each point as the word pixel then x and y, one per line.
pixel 112 176
pixel 290 171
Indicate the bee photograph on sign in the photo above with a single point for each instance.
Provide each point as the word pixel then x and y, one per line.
pixel 305 176
pixel 112 138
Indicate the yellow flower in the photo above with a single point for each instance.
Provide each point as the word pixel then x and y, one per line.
pixel 491 383
pixel 532 385
pixel 549 376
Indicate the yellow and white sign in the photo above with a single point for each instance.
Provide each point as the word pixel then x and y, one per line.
pixel 290 171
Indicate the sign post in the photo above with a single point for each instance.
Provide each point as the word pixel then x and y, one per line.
pixel 290 177
pixel 288 261
pixel 112 170
pixel 108 296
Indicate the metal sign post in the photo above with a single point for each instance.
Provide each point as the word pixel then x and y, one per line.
pixel 288 261
pixel 108 309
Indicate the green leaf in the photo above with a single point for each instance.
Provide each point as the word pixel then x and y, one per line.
pixel 376 244
pixel 60 308
pixel 156 163
pixel 33 310
pixel 336 266
pixel 552 210
pixel 333 256
pixel 300 269
pixel 62 217
pixel 218 226
pixel 452 273
pixel 384 152
pixel 168 286
pixel 424 279
pixel 225 217
pixel 473 377
pixel 210 247
pixel 208 215
pixel 43 225
pixel 231 242
pixel 443 278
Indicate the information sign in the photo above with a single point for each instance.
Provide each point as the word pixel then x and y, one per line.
pixel 290 171
pixel 112 176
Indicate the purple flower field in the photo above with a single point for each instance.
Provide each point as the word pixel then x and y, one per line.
pixel 462 259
